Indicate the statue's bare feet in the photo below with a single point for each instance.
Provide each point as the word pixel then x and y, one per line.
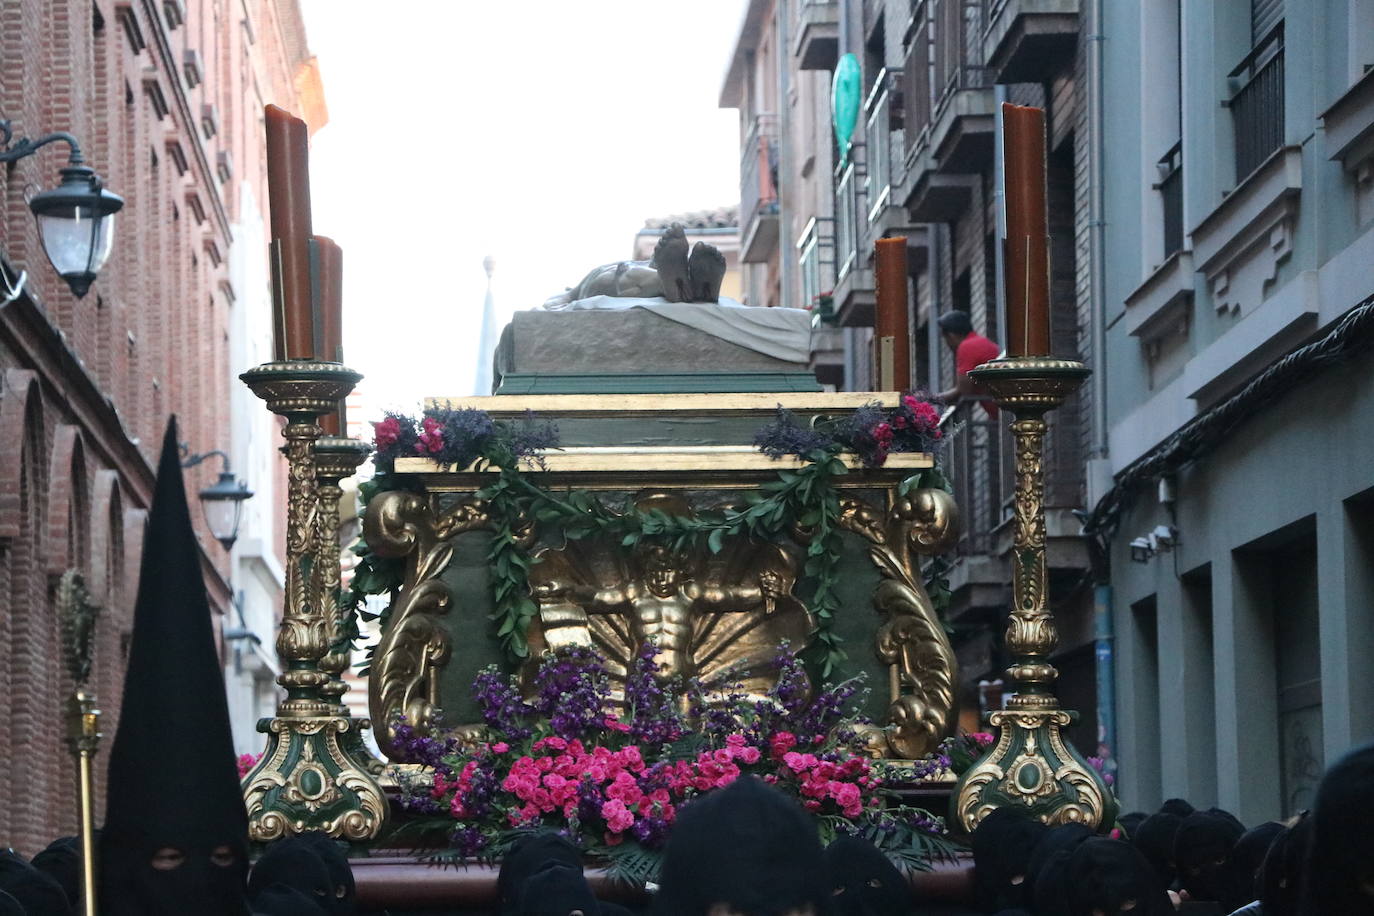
pixel 706 268
pixel 670 259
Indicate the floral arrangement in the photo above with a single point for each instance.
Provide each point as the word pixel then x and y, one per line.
pixel 872 432
pixel 461 437
pixel 613 782
pixel 954 755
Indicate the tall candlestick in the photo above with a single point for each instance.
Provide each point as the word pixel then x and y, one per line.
pixel 1027 244
pixel 329 330
pixel 892 336
pixel 288 192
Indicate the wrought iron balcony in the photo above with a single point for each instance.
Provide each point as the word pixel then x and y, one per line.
pixel 949 107
pixel 978 461
pixel 1030 41
pixel 1170 189
pixel 817 27
pixel 1257 103
pixel 758 191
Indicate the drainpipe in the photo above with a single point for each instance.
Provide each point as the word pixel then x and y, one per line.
pixel 1096 232
pixel 1105 636
pixel 786 252
pixel 932 329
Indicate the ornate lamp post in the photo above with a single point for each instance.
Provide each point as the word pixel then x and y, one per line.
pixel 76 219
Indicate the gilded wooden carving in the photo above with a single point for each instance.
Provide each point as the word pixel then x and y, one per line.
pixel 708 613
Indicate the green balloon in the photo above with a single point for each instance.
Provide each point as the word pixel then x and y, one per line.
pixel 845 91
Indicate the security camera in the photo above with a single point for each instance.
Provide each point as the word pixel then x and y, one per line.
pixel 1165 537
pixel 1142 550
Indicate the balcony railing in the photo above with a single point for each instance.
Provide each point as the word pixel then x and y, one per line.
pixel 849 213
pixel 758 187
pixel 1257 104
pixel 977 456
pixel 944 55
pixel 1170 189
pixel 885 140
pixel 816 260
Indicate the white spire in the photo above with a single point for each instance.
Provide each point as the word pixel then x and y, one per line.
pixel 486 340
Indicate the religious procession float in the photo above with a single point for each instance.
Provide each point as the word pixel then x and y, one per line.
pixel 657 559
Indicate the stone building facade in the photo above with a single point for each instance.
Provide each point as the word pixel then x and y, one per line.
pixel 924 165
pixel 165 97
pixel 1239 146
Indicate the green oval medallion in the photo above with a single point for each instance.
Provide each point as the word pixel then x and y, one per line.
pixel 311 784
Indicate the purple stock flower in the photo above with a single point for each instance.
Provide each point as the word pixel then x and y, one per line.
pixel 412 747
pixel 502 707
pixel 653 711
pixel 785 436
pixel 572 689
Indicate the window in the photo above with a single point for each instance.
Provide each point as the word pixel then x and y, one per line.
pixel 1257 103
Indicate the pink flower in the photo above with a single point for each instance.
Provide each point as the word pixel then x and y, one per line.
pixel 616 725
pixel 385 433
pixel 982 739
pixel 247 762
pixel 736 740
pixel 618 817
pixel 500 747
pixel 553 741
pixel 781 743
pixel 882 433
pixel 847 796
pixel 431 436
pixel 749 755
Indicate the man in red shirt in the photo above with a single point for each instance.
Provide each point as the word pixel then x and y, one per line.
pixel 971 350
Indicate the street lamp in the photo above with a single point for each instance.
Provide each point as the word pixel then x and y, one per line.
pixel 75 219
pixel 222 500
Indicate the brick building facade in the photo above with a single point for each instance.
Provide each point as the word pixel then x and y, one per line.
pixel 165 97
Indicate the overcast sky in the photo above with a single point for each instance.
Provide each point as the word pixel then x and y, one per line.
pixel 541 132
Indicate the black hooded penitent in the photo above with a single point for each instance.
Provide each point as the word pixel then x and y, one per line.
pixel 291 863
pixel 61 861
pixel 1202 853
pixel 1155 840
pixel 1340 857
pixel 35 891
pixel 173 784
pixel 1047 876
pixel 530 855
pixel 864 880
pixel 747 846
pixel 1111 877
pixel 1003 844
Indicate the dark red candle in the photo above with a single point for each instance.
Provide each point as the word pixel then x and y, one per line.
pixel 288 194
pixel 891 333
pixel 329 299
pixel 1027 243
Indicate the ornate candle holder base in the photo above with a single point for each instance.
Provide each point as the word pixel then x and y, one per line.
pixel 307 780
pixel 335 459
pixel 1031 766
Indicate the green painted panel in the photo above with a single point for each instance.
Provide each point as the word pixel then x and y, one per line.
pixel 667 383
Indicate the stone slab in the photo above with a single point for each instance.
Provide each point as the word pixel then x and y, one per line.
pixel 633 341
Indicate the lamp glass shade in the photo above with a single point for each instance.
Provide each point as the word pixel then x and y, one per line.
pixel 77 242
pixel 76 220
pixel 223 507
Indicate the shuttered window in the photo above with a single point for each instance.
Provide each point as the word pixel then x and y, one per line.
pixel 1263 15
